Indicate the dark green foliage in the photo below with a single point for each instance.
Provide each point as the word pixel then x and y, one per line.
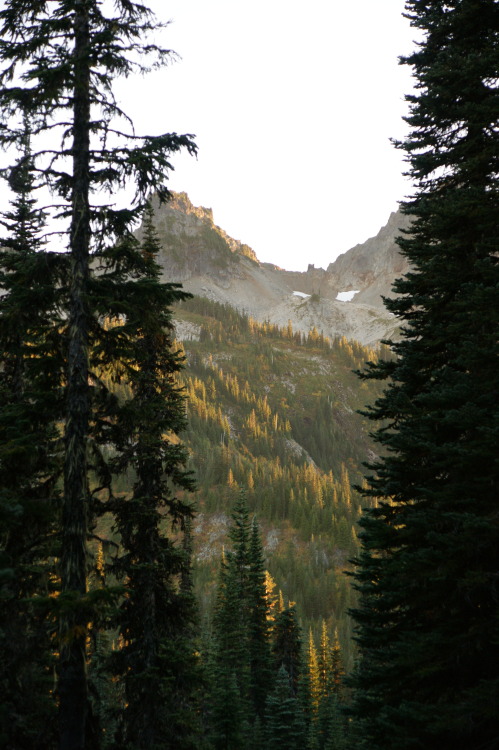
pixel 258 624
pixel 332 725
pixel 156 662
pixel 285 724
pixel 328 728
pixel 287 646
pixel 241 637
pixel 31 368
pixel 59 60
pixel 228 666
pixel 255 396
pixel 427 621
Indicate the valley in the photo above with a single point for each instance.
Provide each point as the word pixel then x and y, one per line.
pixel 273 406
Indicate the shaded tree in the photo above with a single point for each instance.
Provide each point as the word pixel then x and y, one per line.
pixel 31 364
pixel 156 663
pixel 427 617
pixel 285 724
pixel 287 645
pixel 59 62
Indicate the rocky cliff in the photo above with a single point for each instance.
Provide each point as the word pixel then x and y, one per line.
pixel 209 263
pixel 372 266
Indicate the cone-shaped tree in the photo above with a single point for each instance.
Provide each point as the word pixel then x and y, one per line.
pixel 258 624
pixel 314 675
pixel 59 60
pixel 241 640
pixel 428 613
pixel 337 671
pixel 285 725
pixel 31 366
pixel 156 662
pixel 287 645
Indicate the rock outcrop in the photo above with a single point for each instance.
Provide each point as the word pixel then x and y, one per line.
pixel 209 263
pixel 372 266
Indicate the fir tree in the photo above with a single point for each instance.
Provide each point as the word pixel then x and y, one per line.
pixel 325 662
pixel 259 635
pixel 30 462
pixel 227 667
pixel 314 675
pixel 241 649
pixel 59 61
pixel 333 726
pixel 156 662
pixel 427 619
pixel 287 646
pixel 285 725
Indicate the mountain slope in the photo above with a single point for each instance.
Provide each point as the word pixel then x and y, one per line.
pixel 372 266
pixel 275 413
pixel 211 264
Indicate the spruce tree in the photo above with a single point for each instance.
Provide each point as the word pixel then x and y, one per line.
pixel 336 667
pixel 31 283
pixel 259 633
pixel 241 639
pixel 228 667
pixel 427 618
pixel 287 646
pixel 285 725
pixel 314 676
pixel 59 60
pixel 156 662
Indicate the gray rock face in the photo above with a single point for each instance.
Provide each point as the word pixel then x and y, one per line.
pixel 211 264
pixel 193 244
pixel 372 266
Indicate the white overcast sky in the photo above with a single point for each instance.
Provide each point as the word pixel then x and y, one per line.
pixel 293 106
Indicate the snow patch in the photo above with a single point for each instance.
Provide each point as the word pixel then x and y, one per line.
pixel 301 294
pixel 346 296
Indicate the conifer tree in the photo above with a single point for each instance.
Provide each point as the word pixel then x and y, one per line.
pixel 241 649
pixel 314 674
pixel 333 725
pixel 337 671
pixel 325 661
pixel 157 662
pixel 427 619
pixel 226 713
pixel 229 662
pixel 287 645
pixel 30 462
pixel 59 60
pixel 259 635
pixel 285 725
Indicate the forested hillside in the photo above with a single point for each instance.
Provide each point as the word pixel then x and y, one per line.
pixel 273 412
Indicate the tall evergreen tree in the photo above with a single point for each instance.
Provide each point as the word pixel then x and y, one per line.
pixel 259 632
pixel 314 675
pixel 59 60
pixel 31 364
pixel 285 724
pixel 241 636
pixel 156 662
pixel 428 613
pixel 229 663
pixel 287 645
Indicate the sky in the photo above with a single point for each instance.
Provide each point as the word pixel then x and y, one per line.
pixel 293 106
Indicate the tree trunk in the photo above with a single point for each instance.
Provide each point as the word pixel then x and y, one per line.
pixel 72 672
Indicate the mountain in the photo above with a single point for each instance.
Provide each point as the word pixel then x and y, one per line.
pixel 273 402
pixel 372 266
pixel 209 263
pixel 275 413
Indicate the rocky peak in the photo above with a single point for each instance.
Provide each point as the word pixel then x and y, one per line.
pixel 372 266
pixel 192 243
pixel 181 202
pixel 209 263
